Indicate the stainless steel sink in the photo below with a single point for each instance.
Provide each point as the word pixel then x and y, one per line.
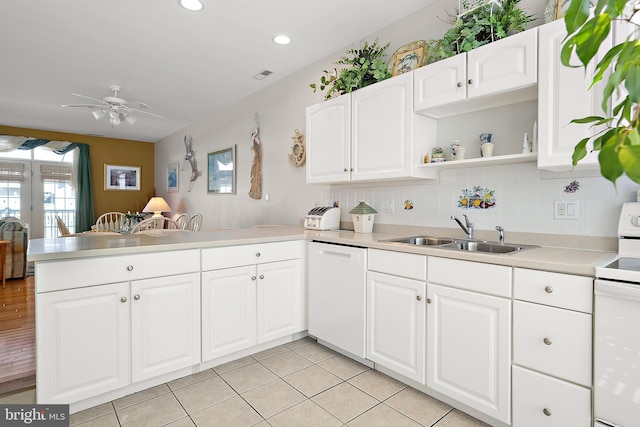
pixel 494 248
pixel 421 241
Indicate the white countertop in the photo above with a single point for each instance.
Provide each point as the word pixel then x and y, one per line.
pixel 563 260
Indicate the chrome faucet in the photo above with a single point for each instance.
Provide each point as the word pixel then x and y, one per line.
pixel 501 237
pixel 468 228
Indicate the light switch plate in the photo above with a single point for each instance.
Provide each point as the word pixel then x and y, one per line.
pixel 566 209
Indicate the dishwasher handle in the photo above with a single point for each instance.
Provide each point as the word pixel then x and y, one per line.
pixel 335 254
pixel 615 289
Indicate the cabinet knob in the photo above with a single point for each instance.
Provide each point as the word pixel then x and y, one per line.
pixel 351 169
pixel 123 299
pixel 547 341
pixel 129 267
pixel 258 254
pixel 547 412
pixel 262 276
pixel 459 84
pixel 136 297
pixel 418 297
pixel 548 289
pixel 253 277
pixel 470 81
pixel 428 300
pixel 345 169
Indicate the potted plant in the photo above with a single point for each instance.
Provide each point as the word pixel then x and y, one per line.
pixel 361 67
pixel 619 142
pixel 479 26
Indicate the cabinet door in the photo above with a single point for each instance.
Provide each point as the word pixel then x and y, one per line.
pixel 329 141
pixel 440 83
pixel 382 129
pixel 83 342
pixel 504 65
pixel 395 324
pixel 564 95
pixel 469 347
pixel 228 311
pixel 279 299
pixel 165 325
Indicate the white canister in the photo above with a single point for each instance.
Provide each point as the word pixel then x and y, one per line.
pixel 363 216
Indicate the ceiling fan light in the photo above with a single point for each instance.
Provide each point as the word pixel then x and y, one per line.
pixel 98 114
pixel 192 5
pixel 115 121
pixel 130 119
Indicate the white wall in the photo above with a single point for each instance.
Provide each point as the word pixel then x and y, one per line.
pixel 524 195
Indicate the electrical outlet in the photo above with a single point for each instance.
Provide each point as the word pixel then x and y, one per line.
pixel 389 208
pixel 566 209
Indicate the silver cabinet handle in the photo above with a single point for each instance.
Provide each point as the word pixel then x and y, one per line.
pixel 418 297
pixel 547 341
pixel 123 299
pixel 548 289
pixel 262 276
pixel 428 300
pixel 136 297
pixel 547 412
pixel 129 267
pixel 258 254
pixel 459 84
pixel 253 277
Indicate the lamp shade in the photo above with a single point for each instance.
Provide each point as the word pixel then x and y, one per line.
pixel 157 205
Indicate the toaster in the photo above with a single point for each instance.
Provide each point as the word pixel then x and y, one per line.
pixel 323 218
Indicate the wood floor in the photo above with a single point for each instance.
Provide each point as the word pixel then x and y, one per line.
pixel 17 335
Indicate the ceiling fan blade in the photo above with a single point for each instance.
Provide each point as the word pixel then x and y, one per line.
pixel 137 104
pixel 82 105
pixel 147 113
pixel 88 97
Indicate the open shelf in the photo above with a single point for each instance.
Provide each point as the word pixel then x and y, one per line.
pixel 482 161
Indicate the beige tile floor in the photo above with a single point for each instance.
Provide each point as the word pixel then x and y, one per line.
pixel 298 384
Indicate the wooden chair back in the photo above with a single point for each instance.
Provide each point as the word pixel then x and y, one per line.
pixel 62 227
pixel 154 224
pixel 195 223
pixel 110 221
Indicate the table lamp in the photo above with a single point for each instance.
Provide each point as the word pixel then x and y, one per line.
pixel 157 205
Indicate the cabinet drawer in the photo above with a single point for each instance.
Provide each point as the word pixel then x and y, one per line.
pixel 398 264
pixel 555 289
pixel 75 273
pixel 542 401
pixel 473 276
pixel 236 256
pixel 552 340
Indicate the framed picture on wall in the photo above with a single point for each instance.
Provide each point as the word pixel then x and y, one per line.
pixel 221 171
pixel 121 177
pixel 172 177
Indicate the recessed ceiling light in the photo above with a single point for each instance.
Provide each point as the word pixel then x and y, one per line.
pixel 192 5
pixel 282 39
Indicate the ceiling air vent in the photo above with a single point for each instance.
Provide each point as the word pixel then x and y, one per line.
pixel 262 74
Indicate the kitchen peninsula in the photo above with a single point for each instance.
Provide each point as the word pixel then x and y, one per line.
pixel 119 314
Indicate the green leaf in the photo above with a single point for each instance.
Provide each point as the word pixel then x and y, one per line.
pixel 567 50
pixel 604 63
pixel 629 157
pixel 610 166
pixel 591 36
pixel 576 15
pixel 632 83
pixel 580 151
pixel 588 119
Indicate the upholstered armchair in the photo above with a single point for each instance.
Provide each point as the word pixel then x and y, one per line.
pixel 16 232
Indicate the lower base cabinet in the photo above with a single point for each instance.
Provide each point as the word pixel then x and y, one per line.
pixel 543 401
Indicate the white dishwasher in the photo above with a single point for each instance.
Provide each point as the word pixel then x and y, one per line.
pixel 337 296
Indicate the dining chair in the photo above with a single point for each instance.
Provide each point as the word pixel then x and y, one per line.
pixel 62 227
pixel 195 223
pixel 110 221
pixel 154 224
pixel 182 220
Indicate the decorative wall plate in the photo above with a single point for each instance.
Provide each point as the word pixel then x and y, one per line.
pixel 298 154
pixel 409 57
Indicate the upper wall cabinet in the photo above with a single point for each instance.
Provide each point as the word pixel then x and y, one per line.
pixel 507 67
pixel 370 134
pixel 564 95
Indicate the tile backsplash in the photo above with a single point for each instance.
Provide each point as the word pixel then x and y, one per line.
pixel 525 194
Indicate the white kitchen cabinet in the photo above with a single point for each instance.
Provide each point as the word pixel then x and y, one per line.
pixel 564 95
pixel 369 134
pixel 84 341
pixel 499 68
pixel 468 340
pixel 100 337
pixel 251 294
pixel 337 296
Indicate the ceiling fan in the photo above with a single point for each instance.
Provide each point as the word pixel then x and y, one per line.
pixel 116 108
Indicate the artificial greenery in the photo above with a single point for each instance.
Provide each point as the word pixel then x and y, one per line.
pixel 483 25
pixel 619 142
pixel 361 68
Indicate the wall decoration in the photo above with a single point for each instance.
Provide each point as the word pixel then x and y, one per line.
pixel 477 198
pixel 572 187
pixel 190 157
pixel 172 178
pixel 221 171
pixel 121 177
pixel 298 154
pixel 255 191
pixel 408 205
pixel 409 57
